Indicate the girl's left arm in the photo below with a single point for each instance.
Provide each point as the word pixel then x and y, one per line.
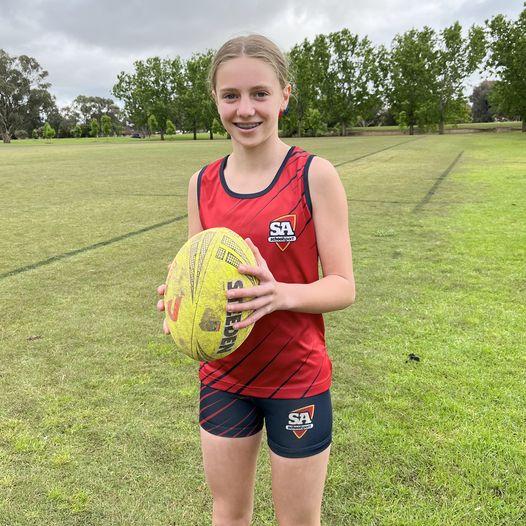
pixel 336 289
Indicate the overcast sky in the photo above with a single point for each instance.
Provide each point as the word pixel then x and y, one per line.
pixel 84 44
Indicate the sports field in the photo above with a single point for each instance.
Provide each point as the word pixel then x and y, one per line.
pixel 98 414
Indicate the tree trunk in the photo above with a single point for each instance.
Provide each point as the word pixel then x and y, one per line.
pixel 162 135
pixel 7 138
pixel 441 126
pixel 524 124
pixel 195 129
pixel 411 129
pixel 211 134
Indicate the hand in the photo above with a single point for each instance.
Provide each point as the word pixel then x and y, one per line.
pixel 161 289
pixel 265 297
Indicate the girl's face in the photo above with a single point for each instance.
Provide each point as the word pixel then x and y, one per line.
pixel 249 98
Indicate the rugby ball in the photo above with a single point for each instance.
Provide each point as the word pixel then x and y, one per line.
pixel 203 270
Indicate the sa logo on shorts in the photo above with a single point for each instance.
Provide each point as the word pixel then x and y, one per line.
pixel 282 231
pixel 300 420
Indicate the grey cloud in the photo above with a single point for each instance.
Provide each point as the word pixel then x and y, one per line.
pixel 84 44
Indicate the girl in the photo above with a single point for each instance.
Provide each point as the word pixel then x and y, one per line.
pixel 292 208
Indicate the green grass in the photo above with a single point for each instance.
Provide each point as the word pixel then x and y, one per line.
pixel 98 420
pixel 514 125
pixel 114 140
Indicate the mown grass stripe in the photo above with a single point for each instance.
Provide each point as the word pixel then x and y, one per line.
pixel 71 253
pixel 437 183
pixel 375 152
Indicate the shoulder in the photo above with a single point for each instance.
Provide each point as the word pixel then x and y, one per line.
pixel 322 168
pixel 196 177
pixel 322 174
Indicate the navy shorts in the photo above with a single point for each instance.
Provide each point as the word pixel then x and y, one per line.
pixel 295 428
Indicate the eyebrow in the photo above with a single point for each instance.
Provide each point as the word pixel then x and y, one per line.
pixel 258 87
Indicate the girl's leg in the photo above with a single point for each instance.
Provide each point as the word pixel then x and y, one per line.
pixel 297 488
pixel 230 468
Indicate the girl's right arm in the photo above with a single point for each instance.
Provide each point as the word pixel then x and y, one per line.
pixel 194 227
pixel 194 221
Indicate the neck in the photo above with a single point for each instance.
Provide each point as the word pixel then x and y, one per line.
pixel 259 158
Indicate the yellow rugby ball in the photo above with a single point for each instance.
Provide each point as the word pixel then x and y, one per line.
pixel 195 299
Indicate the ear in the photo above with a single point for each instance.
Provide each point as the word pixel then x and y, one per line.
pixel 214 96
pixel 286 96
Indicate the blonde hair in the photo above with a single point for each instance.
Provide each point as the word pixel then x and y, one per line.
pixel 253 46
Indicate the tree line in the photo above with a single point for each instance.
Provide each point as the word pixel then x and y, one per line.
pixel 340 80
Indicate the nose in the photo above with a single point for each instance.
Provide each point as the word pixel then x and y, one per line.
pixel 245 107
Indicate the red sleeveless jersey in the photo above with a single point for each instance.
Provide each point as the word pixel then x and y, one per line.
pixel 285 355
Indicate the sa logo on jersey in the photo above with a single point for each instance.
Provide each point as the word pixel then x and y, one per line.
pixel 300 420
pixel 282 231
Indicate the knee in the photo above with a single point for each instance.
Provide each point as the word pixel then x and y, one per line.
pixel 295 522
pixel 225 515
pixel 228 520
pixel 299 519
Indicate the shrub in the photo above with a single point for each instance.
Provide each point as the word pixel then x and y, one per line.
pixel 21 134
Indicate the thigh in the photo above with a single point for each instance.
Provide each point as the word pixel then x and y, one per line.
pixel 230 439
pixel 230 468
pixel 297 488
pixel 299 436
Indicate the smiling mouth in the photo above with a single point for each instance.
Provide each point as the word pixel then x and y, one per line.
pixel 247 125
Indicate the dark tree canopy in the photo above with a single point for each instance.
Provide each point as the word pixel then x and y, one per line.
pixel 507 60
pixel 24 97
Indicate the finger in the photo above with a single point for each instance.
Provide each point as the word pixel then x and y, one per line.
pixel 161 289
pixel 166 330
pixel 260 272
pixel 160 305
pixel 249 292
pixel 255 316
pixel 257 254
pixel 255 304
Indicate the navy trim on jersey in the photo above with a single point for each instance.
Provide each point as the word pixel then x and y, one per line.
pixel 306 182
pixel 199 178
pixel 231 193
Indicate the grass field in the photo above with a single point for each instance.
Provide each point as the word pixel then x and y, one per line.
pixel 98 414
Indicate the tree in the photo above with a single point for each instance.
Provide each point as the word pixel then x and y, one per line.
pixel 170 127
pixel 106 125
pixel 24 95
pixel 94 128
pixel 456 59
pixel 152 90
pixel 481 109
pixel 48 132
pixel 303 75
pixel 507 60
pixel 153 125
pixel 197 106
pixel 89 107
pixel 314 124
pixel 77 131
pixel 355 79
pixel 412 78
pixel 217 126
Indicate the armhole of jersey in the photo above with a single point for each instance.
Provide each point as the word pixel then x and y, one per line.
pixel 199 178
pixel 306 182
